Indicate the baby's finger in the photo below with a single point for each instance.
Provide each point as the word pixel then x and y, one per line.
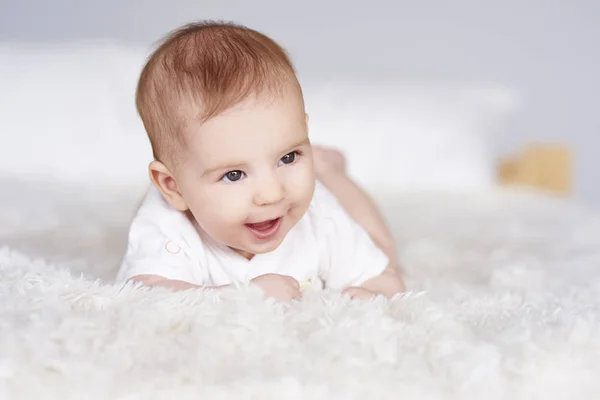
pixel 295 293
pixel 295 284
pixel 357 293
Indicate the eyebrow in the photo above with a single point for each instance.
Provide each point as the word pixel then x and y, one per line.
pixel 232 167
pixel 303 142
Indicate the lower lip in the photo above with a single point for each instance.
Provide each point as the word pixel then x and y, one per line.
pixel 266 234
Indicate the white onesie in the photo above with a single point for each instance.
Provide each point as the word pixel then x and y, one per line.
pixel 326 247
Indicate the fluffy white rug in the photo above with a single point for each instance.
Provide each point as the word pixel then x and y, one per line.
pixel 504 304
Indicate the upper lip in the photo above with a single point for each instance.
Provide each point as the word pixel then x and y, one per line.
pixel 263 220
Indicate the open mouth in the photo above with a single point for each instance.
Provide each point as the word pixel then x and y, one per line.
pixel 265 229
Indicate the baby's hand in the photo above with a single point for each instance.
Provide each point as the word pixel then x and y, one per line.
pixel 357 292
pixel 280 287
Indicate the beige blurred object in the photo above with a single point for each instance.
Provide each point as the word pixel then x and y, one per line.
pixel 541 166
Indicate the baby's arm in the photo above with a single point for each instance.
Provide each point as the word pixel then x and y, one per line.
pixel 176 285
pixel 362 209
pixel 388 283
pixel 279 287
pixel 330 170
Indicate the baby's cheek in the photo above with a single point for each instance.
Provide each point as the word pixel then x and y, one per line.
pixel 300 183
pixel 231 207
pixel 216 209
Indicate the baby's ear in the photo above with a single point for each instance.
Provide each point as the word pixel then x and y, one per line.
pixel 165 182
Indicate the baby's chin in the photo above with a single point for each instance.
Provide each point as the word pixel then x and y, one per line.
pixel 264 248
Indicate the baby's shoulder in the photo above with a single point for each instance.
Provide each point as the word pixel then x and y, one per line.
pixel 323 204
pixel 154 210
pixel 156 217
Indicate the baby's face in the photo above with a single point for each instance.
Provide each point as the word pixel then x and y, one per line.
pixel 249 176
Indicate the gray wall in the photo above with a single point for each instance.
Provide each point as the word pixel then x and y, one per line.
pixel 548 50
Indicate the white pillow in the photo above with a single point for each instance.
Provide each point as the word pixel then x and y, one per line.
pixel 400 136
pixel 68 113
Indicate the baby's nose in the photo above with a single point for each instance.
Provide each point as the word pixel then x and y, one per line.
pixel 269 192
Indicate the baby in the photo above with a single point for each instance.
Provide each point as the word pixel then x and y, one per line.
pixel 239 195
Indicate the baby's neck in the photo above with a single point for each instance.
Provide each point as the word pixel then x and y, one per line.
pixel 248 256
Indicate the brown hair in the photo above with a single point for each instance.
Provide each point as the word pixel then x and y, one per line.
pixel 201 70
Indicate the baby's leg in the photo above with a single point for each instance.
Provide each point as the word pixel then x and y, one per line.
pixel 330 168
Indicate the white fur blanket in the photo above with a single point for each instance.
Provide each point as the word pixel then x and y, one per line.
pixel 504 304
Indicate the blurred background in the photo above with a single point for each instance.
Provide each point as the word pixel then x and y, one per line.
pixel 549 51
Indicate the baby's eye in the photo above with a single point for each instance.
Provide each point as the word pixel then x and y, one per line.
pixel 288 158
pixel 233 176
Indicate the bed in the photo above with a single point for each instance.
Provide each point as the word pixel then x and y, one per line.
pixel 503 273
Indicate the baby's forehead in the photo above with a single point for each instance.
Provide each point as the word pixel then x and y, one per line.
pixel 238 138
pixel 253 112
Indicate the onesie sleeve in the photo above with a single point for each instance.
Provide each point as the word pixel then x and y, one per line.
pixel 348 255
pixel 157 245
